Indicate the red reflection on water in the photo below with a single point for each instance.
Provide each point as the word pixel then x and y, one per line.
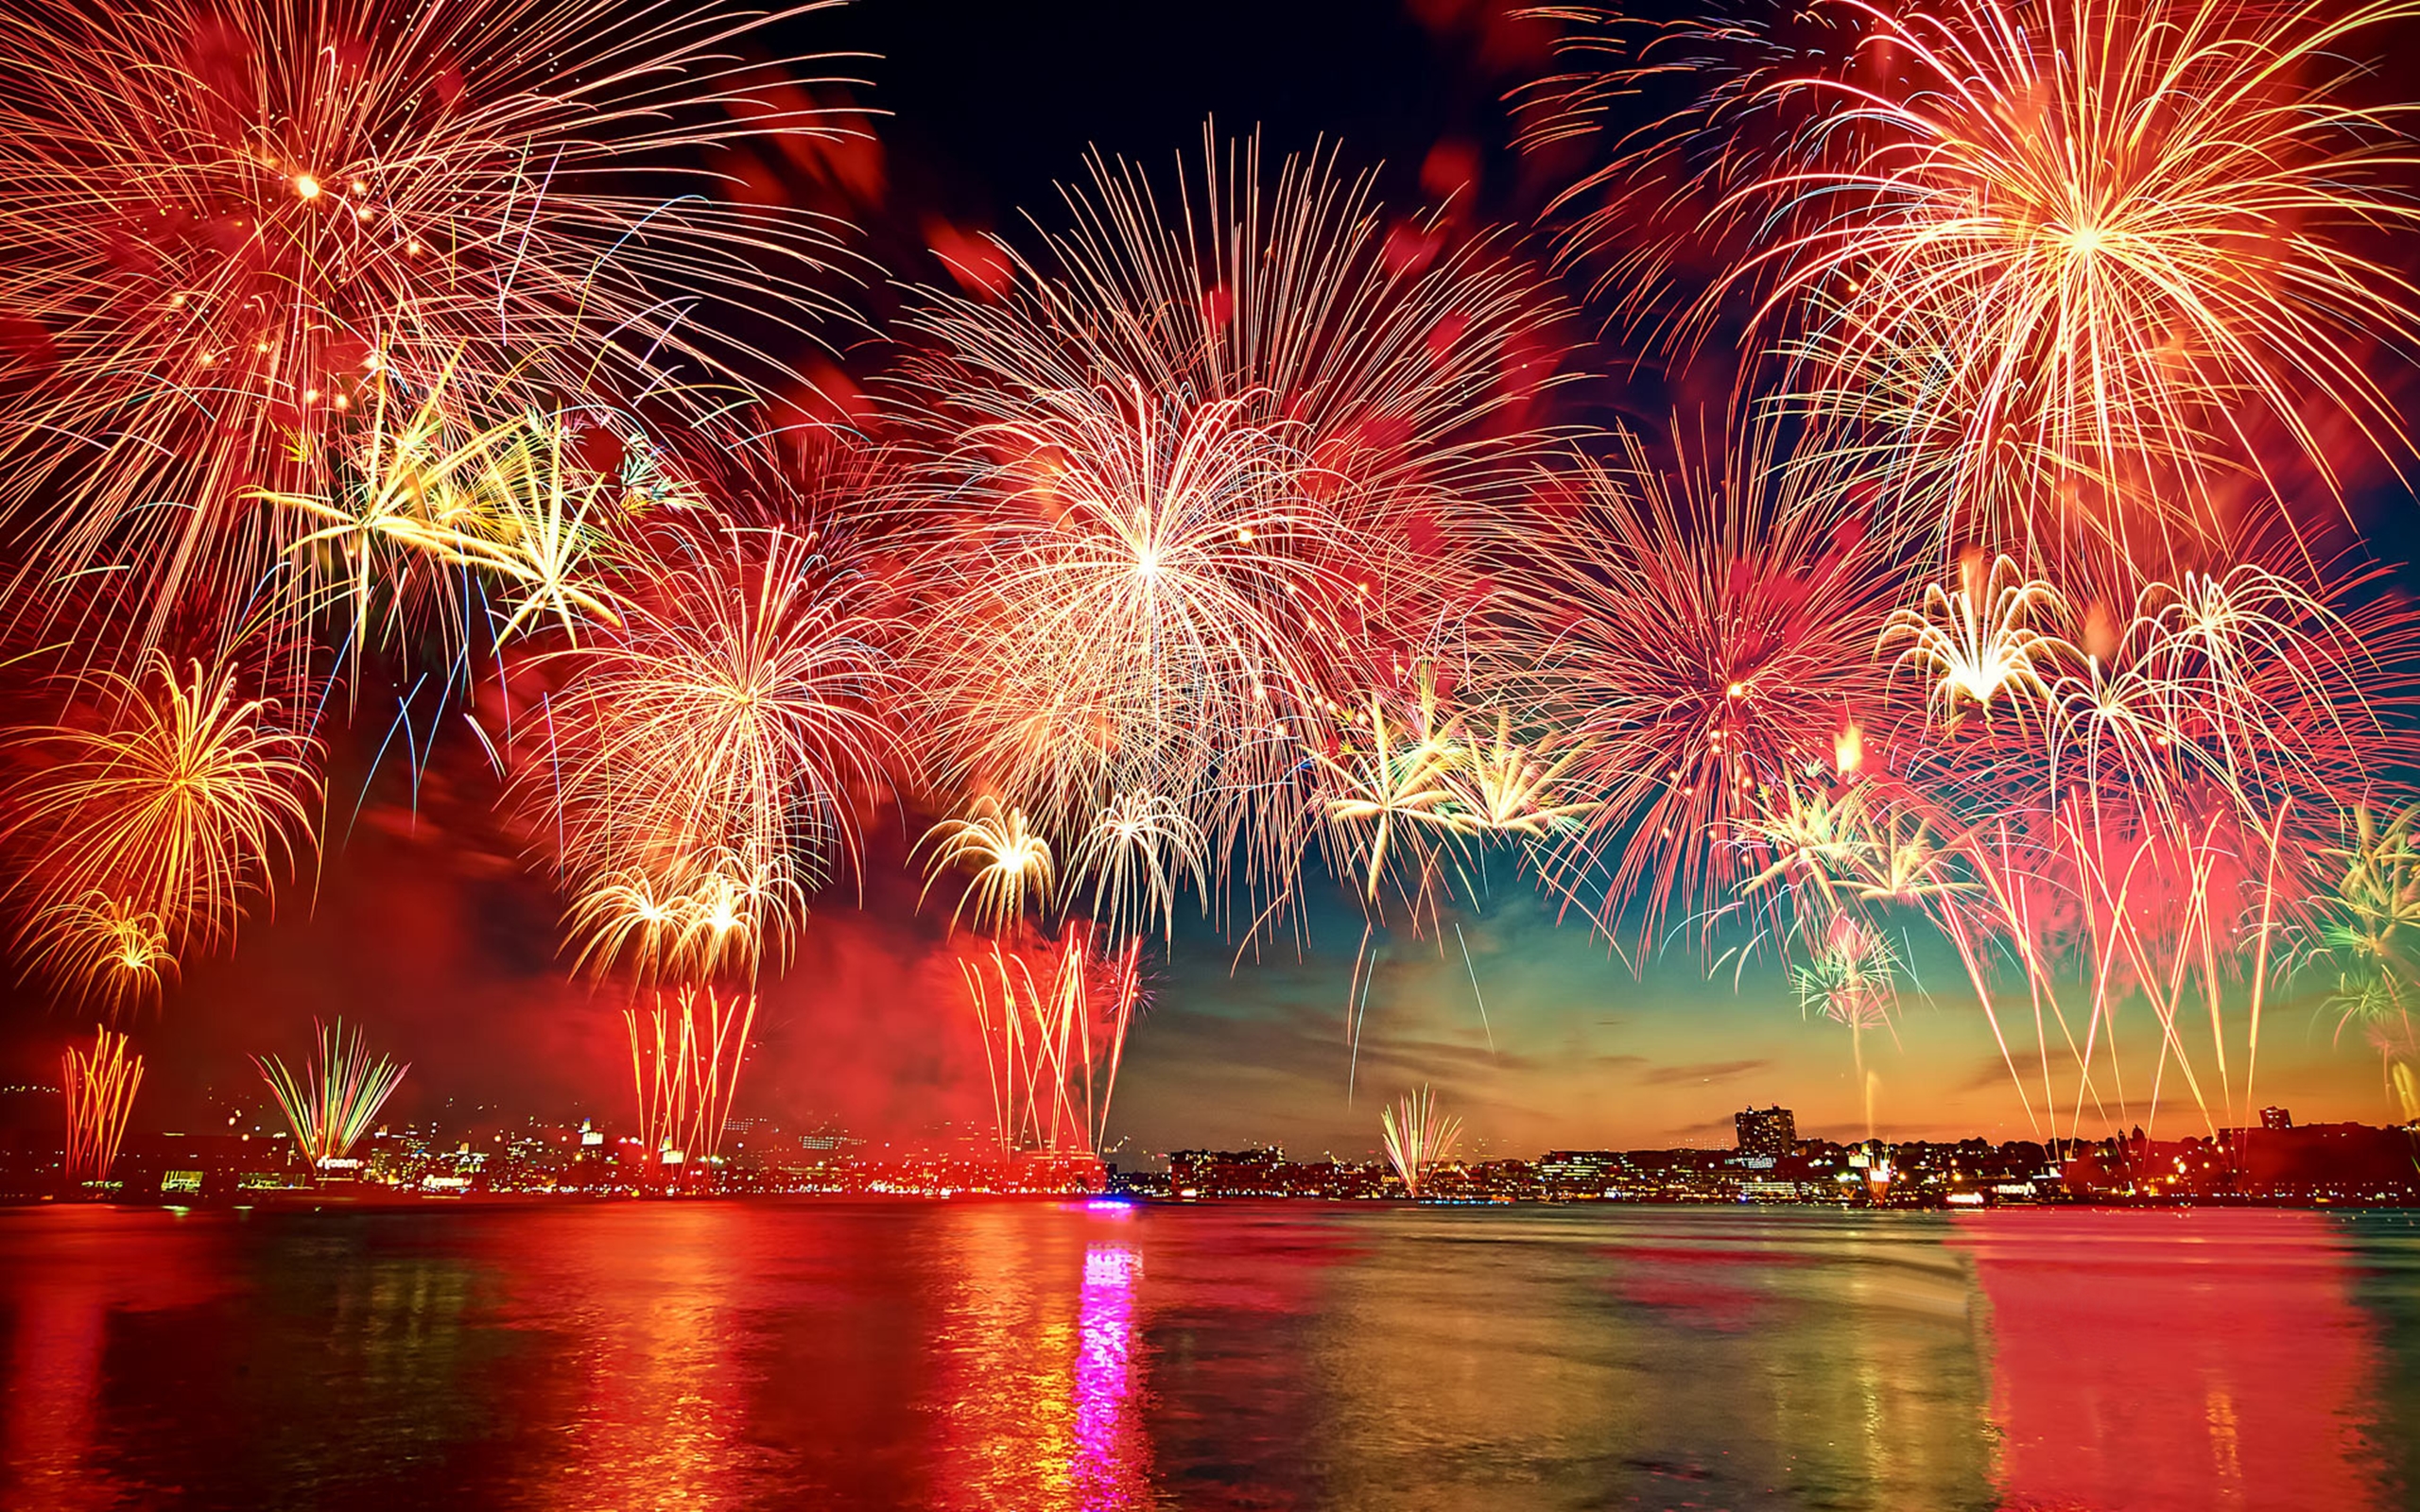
pixel 53 1375
pixel 87 1276
pixel 1674 1281
pixel 660 1419
pixel 2175 1360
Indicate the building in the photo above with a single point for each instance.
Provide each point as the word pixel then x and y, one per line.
pixel 2276 1119
pixel 1228 1173
pixel 1767 1134
pixel 1581 1173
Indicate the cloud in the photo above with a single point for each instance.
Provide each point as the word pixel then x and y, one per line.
pixel 1702 1070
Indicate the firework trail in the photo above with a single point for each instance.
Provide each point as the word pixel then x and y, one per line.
pixel 235 227
pixel 1418 1138
pixel 99 1092
pixel 1054 1030
pixel 1187 483
pixel 333 1102
pixel 685 1061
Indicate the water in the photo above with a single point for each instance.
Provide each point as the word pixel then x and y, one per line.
pixel 1043 1356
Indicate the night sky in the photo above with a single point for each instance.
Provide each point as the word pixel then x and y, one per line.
pixel 424 922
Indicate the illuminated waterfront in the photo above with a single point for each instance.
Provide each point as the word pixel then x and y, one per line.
pixel 1044 1355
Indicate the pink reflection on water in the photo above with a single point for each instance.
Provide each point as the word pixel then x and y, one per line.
pixel 1039 1402
pixel 2176 1361
pixel 1108 1443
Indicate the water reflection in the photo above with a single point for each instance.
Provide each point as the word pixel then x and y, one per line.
pixel 1110 1460
pixel 1035 1356
pixel 1037 1367
pixel 2178 1359
pixel 659 1416
pixel 66 1303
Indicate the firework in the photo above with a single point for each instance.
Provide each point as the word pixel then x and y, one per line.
pixel 1010 862
pixel 1516 789
pixel 1418 1138
pixel 1690 109
pixel 1852 980
pixel 704 766
pixel 423 489
pixel 333 1102
pixel 1390 792
pixel 176 800
pixel 684 1067
pixel 99 1091
pixel 1138 850
pixel 95 947
pixel 1054 1037
pixel 2373 915
pixel 1978 641
pixel 2085 259
pixel 691 927
pixel 236 226
pixel 2153 829
pixel 1696 637
pixel 1186 480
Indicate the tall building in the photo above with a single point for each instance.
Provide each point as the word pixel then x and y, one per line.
pixel 1767 1133
pixel 2277 1118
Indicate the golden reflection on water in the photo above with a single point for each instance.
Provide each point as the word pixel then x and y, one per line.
pixel 1693 1361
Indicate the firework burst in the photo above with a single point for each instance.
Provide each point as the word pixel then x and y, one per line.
pixel 233 226
pixel 1698 636
pixel 1009 864
pixel 173 799
pixel 103 952
pixel 1187 479
pixel 1139 850
pixel 703 766
pixel 2087 261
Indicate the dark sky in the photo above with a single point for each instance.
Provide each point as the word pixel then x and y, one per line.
pixel 423 924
